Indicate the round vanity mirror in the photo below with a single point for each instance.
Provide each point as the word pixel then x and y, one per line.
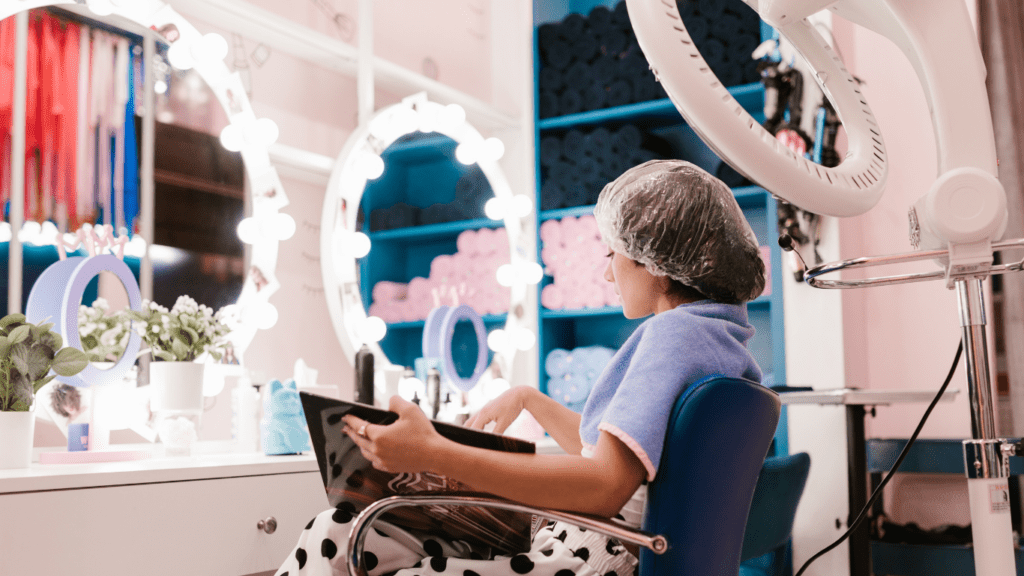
pixel 420 245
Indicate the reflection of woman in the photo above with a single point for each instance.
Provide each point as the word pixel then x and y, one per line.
pixel 66 400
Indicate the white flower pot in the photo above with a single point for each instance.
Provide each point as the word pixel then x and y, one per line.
pixel 16 437
pixel 176 398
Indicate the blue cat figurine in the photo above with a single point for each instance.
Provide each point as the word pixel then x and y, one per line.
pixel 283 429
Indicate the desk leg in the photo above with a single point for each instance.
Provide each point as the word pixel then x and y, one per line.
pixel 860 540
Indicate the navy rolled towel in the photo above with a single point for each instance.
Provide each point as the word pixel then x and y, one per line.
pixel 731 73
pixel 604 69
pixel 572 27
pixel 600 17
pixel 726 27
pixel 547 33
pixel 550 150
pixel 578 76
pixel 551 79
pixel 614 42
pixel 712 8
pixel 594 97
pixel 557 54
pixel 686 7
pixel 647 89
pixel 570 102
pixel 561 173
pixel 741 48
pixel 730 176
pixel 586 168
pixel 620 93
pixel 621 11
pixel 597 142
pixel 572 144
pixel 627 138
pixel 407 215
pixel 377 219
pixel 547 106
pixel 575 195
pixel 552 196
pixel 633 66
pixel 713 52
pixel 751 73
pixel 698 27
pixel 593 193
pixel 585 47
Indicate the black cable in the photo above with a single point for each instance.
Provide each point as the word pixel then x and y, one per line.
pixel 906 450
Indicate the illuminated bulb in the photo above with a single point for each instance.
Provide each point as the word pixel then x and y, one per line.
pixel 374 329
pixel 49 232
pixel 495 208
pixel 265 131
pixel 101 7
pixel 372 165
pixel 467 152
pixel 428 119
pixel 5 232
pixel 531 272
pixel 493 149
pixel 248 230
pixel 497 340
pixel 160 87
pixel 213 383
pixel 72 240
pixel 179 56
pixel 30 232
pixel 284 226
pixel 506 275
pixel 497 387
pixel 359 244
pixel 522 205
pixel 525 339
pixel 135 247
pixel 409 388
pixel 452 116
pixel 231 138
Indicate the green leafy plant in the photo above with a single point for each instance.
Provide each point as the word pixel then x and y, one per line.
pixel 27 354
pixel 183 333
pixel 103 335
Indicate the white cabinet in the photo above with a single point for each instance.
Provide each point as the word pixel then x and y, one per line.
pixel 166 516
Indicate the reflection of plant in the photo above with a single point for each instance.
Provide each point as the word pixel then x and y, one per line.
pixel 104 336
pixel 183 333
pixel 27 353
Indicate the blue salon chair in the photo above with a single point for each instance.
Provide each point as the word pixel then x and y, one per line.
pixel 770 523
pixel 697 506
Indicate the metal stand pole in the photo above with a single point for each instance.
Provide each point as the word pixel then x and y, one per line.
pixel 986 458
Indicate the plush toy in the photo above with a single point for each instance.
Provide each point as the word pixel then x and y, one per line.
pixel 283 429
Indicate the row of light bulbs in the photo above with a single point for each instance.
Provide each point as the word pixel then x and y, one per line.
pixel 46 234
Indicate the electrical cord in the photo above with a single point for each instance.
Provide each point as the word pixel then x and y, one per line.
pixel 906 450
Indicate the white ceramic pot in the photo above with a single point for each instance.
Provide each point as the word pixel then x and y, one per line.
pixel 16 437
pixel 176 386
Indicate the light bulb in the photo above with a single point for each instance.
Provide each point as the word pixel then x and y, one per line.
pixel 428 119
pixel 30 232
pixel 210 48
pixel 467 152
pixel 231 138
pixel 266 132
pixel 160 87
pixel 359 244
pixel 522 205
pixel 180 56
pixel 5 232
pixel 264 315
pixel 49 232
pixel 525 339
pixel 136 247
pixel 213 382
pixel 495 208
pixel 506 275
pixel 409 388
pixel 493 149
pixel 372 165
pixel 284 226
pixel 452 116
pixel 248 230
pixel 100 7
pixel 404 121
pixel 374 329
pixel 497 340
pixel 531 272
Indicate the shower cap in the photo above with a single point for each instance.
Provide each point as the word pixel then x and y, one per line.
pixel 679 221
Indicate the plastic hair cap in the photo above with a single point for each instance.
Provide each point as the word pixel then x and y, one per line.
pixel 679 221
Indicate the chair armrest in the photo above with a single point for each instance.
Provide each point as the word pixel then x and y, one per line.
pixel 357 536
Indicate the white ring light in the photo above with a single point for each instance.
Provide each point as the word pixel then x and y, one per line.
pixel 253 309
pixel 849 189
pixel 341 206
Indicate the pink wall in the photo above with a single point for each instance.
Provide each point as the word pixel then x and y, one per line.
pixel 899 337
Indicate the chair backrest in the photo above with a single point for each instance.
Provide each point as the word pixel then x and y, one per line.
pixel 779 487
pixel 717 439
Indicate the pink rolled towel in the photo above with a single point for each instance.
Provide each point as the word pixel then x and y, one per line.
pixel 552 297
pixel 467 242
pixel 551 232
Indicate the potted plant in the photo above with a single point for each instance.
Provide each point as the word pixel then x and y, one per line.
pixel 28 354
pixel 179 340
pixel 103 335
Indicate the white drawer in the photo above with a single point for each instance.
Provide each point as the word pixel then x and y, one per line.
pixel 203 527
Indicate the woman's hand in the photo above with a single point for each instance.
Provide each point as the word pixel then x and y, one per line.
pixel 406 445
pixel 503 410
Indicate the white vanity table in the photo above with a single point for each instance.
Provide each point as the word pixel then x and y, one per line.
pixel 172 516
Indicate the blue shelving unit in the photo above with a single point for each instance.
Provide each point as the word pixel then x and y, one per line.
pixel 606 326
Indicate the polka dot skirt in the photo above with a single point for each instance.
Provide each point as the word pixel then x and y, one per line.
pixel 559 549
